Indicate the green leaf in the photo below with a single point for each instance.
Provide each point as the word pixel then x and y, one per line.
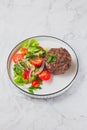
pixel 23 64
pixel 52 58
pixel 33 43
pixel 34 49
pixel 29 54
pixel 17 69
pixel 25 43
pixel 19 80
pixel 31 91
pixel 46 50
pixel 41 82
pixel 32 78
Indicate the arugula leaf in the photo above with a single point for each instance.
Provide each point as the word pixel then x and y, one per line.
pixel 52 58
pixel 31 89
pixel 17 69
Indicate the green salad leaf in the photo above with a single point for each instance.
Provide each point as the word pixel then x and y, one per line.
pixel 52 58
pixel 33 43
pixel 31 89
pixel 29 54
pixel 17 69
pixel 25 43
pixel 34 49
pixel 30 43
pixel 23 64
pixel 19 80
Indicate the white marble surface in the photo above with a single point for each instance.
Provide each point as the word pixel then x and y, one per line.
pixel 66 19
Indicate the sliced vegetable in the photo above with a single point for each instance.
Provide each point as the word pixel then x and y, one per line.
pixel 36 61
pixel 40 69
pixel 24 51
pixel 44 75
pixel 26 74
pixel 29 65
pixel 18 57
pixel 35 83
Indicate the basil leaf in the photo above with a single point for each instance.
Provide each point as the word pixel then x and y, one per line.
pixel 17 69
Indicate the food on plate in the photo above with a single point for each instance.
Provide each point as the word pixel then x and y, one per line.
pixel 33 64
pixel 57 60
pixel 29 67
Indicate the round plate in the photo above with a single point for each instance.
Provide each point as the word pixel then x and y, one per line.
pixel 59 83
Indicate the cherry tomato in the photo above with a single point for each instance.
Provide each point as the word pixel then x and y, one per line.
pixel 23 51
pixel 26 74
pixel 44 75
pixel 35 83
pixel 17 57
pixel 37 61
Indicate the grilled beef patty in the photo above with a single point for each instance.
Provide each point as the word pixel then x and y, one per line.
pixel 61 63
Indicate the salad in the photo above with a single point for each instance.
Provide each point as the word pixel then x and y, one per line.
pixel 29 67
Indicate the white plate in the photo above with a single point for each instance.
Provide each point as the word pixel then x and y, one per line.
pixel 59 83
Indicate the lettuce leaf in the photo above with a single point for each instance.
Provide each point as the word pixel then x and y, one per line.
pixel 17 69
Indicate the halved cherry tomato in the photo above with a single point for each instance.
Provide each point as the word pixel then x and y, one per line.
pixel 23 51
pixel 44 75
pixel 17 57
pixel 35 83
pixel 37 61
pixel 26 74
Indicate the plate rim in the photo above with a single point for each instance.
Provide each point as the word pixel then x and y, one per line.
pixel 50 94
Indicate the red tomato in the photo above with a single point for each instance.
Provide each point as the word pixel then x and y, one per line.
pixel 44 75
pixel 24 51
pixel 37 61
pixel 26 74
pixel 35 83
pixel 17 57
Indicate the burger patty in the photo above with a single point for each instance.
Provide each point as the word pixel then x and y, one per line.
pixel 58 60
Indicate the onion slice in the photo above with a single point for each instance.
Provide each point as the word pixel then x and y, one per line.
pixel 40 69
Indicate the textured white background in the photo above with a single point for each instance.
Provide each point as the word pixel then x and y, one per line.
pixel 66 19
